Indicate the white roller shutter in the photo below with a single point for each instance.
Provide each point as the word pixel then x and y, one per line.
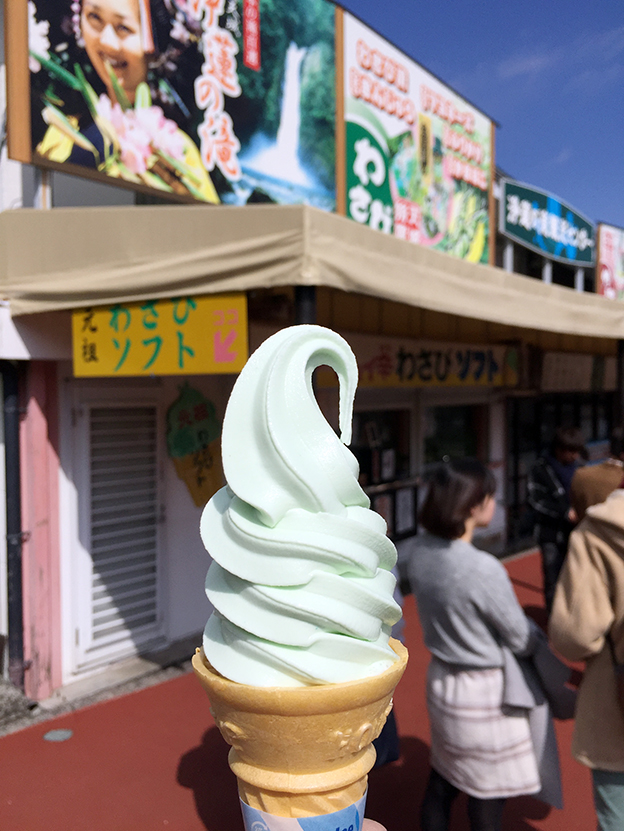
pixel 122 508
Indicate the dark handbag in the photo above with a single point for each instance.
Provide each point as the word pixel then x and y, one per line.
pixel 618 669
pixel 387 744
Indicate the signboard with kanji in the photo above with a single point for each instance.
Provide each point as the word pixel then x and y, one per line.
pixel 193 443
pixel 401 362
pixel 222 101
pixel 177 336
pixel 419 157
pixel 542 222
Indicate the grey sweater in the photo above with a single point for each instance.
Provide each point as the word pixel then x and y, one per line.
pixel 466 603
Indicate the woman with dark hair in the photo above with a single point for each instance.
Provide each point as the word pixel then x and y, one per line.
pixel 468 611
pixel 134 48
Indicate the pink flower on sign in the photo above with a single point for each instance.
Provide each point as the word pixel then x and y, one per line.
pixel 163 132
pixel 141 133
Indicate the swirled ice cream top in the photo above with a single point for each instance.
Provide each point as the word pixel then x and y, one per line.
pixel 301 582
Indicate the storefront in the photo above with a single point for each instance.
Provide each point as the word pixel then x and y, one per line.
pixel 112 528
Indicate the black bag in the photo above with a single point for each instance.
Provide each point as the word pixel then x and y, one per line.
pixel 387 744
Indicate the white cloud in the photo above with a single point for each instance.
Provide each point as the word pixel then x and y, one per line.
pixel 564 155
pixel 527 65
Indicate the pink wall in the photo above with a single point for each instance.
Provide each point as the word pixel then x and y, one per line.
pixel 40 519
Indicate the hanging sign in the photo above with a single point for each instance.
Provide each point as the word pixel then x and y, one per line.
pixel 194 444
pixel 176 336
pixel 541 222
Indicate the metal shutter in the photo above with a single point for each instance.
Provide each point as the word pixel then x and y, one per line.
pixel 123 525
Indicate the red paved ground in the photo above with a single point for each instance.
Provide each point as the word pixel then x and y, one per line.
pixel 154 760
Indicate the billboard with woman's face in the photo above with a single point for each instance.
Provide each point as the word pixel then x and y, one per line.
pixel 216 100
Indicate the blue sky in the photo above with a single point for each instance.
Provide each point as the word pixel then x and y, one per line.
pixel 550 73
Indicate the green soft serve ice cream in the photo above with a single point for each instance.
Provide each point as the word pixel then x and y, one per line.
pixel 300 580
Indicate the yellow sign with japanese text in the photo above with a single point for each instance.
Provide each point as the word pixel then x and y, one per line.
pixel 401 362
pixel 172 336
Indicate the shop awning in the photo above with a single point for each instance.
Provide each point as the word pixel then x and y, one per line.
pixel 76 257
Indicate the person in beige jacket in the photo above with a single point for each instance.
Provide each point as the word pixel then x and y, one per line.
pixel 593 483
pixel 588 606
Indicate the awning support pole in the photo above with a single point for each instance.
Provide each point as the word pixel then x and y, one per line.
pixel 14 534
pixel 619 390
pixel 305 304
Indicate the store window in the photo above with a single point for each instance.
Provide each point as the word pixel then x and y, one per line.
pixel 381 444
pixel 531 425
pixel 456 432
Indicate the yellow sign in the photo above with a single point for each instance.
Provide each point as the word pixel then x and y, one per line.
pixel 396 362
pixel 177 336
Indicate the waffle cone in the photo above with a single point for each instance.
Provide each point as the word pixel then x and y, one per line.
pixel 301 751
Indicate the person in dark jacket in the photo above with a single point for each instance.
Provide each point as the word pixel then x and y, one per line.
pixel 549 486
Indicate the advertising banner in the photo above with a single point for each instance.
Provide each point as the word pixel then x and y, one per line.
pixel 610 271
pixel 216 100
pixel 181 336
pixel 542 222
pixel 402 362
pixel 418 157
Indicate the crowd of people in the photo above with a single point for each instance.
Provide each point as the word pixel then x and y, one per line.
pixel 492 668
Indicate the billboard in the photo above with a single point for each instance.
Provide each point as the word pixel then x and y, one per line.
pixel 214 100
pixel 610 262
pixel 543 223
pixel 419 158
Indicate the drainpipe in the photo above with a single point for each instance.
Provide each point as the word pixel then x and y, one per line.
pixel 14 535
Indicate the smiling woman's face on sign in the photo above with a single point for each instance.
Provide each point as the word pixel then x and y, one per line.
pixel 112 33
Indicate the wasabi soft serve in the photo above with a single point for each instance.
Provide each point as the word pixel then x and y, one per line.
pixel 300 580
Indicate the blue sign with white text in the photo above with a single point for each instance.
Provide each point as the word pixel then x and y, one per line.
pixel 541 222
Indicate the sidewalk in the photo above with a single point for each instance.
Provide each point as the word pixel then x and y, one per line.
pixel 153 759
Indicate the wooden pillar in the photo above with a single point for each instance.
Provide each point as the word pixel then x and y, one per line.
pixel 40 520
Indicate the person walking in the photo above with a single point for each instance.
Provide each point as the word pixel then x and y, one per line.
pixel 469 612
pixel 587 624
pixel 549 485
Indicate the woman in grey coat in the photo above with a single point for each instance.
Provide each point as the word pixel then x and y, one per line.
pixel 468 612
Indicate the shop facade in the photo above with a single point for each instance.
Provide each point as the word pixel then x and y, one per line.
pixel 113 566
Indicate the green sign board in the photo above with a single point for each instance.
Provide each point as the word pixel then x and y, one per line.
pixel 541 222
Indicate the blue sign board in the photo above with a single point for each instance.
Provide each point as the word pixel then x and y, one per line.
pixel 543 223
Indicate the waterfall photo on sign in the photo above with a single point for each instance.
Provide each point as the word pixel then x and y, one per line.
pixel 227 101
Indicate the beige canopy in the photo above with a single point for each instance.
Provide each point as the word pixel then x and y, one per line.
pixel 71 257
